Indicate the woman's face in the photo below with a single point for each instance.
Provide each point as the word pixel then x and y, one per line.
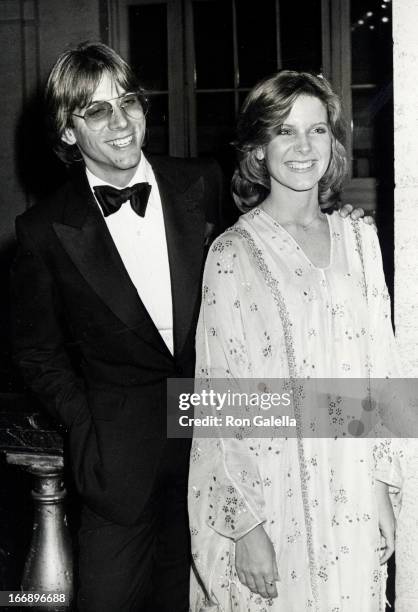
pixel 298 157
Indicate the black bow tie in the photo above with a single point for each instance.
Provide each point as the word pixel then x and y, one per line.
pixel 111 199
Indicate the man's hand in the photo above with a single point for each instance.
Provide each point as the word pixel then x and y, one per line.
pixel 255 562
pixel 356 213
pixel 386 521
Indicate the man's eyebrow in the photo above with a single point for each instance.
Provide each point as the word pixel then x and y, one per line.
pixel 93 100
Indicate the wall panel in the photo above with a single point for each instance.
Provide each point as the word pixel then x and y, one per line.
pixel 18 69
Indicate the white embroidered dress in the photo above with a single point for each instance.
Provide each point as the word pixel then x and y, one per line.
pixel 267 311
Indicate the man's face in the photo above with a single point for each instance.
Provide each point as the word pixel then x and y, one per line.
pixel 113 152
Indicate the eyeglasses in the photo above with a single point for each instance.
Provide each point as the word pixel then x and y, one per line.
pixel 98 114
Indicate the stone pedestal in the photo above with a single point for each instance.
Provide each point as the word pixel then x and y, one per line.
pixel 32 442
pixel 48 566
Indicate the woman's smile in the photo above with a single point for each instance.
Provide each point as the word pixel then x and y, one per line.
pixel 301 166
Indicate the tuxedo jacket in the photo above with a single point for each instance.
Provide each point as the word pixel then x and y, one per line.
pixel 85 342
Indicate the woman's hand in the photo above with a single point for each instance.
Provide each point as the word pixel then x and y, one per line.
pixel 386 520
pixel 255 562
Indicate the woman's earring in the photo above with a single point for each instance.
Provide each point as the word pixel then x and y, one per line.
pixel 259 153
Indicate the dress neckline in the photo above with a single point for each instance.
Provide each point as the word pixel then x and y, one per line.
pixel 299 248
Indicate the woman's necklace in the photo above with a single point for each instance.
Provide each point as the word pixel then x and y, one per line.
pixel 319 216
pixel 305 226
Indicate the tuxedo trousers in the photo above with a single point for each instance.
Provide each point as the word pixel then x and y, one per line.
pixel 144 567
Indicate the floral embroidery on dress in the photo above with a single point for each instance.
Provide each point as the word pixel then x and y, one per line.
pixel 267 345
pixel 317 515
pixel 209 297
pixel 238 351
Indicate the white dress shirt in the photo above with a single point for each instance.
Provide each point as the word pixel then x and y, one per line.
pixel 142 246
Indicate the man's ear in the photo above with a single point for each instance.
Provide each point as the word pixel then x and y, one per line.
pixel 68 136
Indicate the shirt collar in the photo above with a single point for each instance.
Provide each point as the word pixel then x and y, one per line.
pixel 143 173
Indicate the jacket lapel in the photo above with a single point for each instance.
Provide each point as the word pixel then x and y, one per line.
pixel 86 239
pixel 184 226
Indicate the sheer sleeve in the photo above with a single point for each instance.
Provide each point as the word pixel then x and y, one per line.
pixel 224 474
pixel 385 364
pixel 384 358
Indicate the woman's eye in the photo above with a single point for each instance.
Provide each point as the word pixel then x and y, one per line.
pixel 320 130
pixel 285 132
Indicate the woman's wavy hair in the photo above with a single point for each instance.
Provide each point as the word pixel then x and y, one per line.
pixel 72 83
pixel 265 109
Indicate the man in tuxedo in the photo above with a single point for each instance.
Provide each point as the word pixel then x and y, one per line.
pixel 106 295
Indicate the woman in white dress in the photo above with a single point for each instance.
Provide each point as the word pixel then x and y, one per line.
pixel 290 524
